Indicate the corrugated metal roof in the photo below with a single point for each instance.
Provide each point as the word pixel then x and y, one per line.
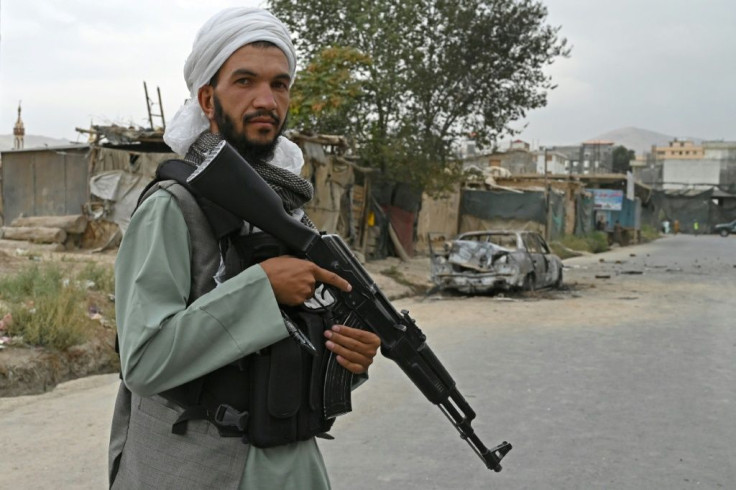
pixel 74 146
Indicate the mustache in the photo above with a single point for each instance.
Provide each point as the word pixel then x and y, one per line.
pixel 260 114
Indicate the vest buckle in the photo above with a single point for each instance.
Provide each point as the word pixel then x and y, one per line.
pixel 227 416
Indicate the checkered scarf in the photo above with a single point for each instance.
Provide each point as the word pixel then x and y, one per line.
pixel 293 190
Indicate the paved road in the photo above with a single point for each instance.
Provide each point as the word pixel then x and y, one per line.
pixel 625 380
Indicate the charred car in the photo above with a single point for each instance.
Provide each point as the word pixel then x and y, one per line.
pixel 486 261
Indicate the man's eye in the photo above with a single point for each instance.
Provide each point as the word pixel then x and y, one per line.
pixel 281 86
pixel 242 81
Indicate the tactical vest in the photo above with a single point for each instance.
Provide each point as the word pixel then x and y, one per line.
pixel 269 398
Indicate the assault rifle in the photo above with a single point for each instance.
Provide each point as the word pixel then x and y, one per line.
pixel 226 179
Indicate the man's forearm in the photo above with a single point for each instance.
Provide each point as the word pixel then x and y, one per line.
pixel 164 343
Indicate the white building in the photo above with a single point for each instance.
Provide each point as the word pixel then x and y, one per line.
pixel 695 174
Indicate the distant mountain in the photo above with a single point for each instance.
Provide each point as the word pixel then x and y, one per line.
pixel 639 140
pixel 30 141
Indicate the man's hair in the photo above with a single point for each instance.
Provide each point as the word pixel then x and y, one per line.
pixel 257 44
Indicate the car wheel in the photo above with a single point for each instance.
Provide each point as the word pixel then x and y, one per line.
pixel 528 284
pixel 724 233
pixel 558 282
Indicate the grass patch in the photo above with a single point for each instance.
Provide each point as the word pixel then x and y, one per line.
pixel 102 278
pixel 562 251
pixel 595 242
pixel 648 233
pixel 51 306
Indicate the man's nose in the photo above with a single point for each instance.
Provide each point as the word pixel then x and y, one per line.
pixel 265 98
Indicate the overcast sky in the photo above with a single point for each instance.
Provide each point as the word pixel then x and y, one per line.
pixel 664 65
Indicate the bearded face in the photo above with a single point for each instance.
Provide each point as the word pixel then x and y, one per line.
pixel 250 99
pixel 249 148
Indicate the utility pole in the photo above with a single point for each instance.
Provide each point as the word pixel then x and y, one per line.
pixel 546 198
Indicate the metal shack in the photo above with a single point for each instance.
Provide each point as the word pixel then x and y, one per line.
pixel 44 181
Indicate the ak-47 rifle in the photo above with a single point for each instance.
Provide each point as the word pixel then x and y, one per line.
pixel 227 179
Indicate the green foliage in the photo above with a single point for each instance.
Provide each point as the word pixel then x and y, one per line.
pixel 594 242
pixel 562 251
pixel 649 233
pixel 49 306
pixel 622 157
pixel 439 70
pixel 327 91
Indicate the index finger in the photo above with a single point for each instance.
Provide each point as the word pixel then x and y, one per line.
pixel 327 277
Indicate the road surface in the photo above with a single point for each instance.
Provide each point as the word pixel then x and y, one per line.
pixel 624 380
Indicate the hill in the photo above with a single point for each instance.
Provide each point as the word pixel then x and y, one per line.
pixel 31 141
pixel 639 140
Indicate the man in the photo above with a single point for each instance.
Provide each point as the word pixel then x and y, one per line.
pixel 600 225
pixel 191 319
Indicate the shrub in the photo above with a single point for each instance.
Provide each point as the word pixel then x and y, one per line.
pixel 49 305
pixel 648 233
pixel 598 241
pixel 594 242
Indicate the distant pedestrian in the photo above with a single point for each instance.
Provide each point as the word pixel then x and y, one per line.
pixel 696 227
pixel 600 225
pixel 618 233
pixel 676 226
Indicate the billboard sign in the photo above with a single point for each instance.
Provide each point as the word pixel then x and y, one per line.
pixel 607 199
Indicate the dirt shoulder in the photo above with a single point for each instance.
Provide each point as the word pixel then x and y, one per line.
pixel 25 371
pixel 32 370
pixel 35 370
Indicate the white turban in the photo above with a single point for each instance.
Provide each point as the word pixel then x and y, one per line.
pixel 219 37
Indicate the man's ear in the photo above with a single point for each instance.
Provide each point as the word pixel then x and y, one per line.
pixel 206 99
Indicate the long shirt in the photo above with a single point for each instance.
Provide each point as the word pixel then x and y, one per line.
pixel 164 342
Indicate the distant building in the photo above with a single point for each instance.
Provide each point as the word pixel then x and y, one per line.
pixel 597 157
pixel 684 165
pixel 679 150
pixel 19 132
pixel 590 158
pixel 720 150
pixel 519 145
pixel 518 158
pixel 557 162
pixel 701 173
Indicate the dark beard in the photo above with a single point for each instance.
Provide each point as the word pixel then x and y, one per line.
pixel 250 150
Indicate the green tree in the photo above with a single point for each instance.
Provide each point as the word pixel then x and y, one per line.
pixel 622 157
pixel 328 91
pixel 440 70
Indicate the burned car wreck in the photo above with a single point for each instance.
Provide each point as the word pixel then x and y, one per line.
pixel 486 261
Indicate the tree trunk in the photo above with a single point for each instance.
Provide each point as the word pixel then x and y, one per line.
pixel 28 247
pixel 76 223
pixel 37 234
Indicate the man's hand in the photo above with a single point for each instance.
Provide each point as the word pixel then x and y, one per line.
pixel 293 280
pixel 355 348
